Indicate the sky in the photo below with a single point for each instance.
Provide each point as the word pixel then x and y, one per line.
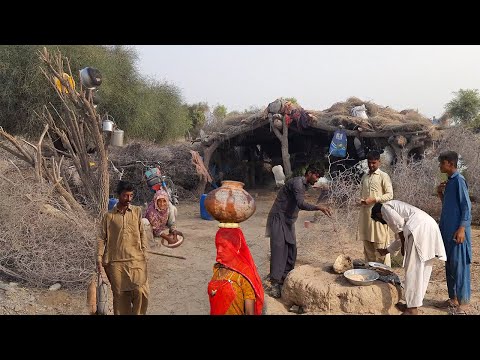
pixel 421 77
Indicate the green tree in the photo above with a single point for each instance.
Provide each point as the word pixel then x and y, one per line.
pixel 220 111
pixel 465 106
pixel 292 100
pixel 143 108
pixel 197 117
pixel 23 88
pixel 160 116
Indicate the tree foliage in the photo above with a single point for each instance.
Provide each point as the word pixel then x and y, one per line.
pixel 220 111
pixel 197 117
pixel 465 107
pixel 163 115
pixel 143 108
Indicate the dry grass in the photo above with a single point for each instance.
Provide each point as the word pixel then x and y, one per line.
pixel 342 195
pixel 41 240
pixel 230 120
pixel 467 144
pixel 415 183
pixel 379 118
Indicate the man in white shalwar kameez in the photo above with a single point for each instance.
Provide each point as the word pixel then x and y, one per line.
pixel 418 236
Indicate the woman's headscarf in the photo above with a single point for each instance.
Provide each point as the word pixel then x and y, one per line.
pixel 233 252
pixel 158 218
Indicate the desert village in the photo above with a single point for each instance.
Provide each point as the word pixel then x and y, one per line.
pixel 63 180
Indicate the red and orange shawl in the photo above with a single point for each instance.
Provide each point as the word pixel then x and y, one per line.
pixel 233 253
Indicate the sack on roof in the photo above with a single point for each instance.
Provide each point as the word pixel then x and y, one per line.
pixel 276 107
pixel 360 111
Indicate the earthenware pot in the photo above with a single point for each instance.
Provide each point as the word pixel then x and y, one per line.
pixel 230 203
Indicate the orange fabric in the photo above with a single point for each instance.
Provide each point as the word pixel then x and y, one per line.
pixel 228 291
pixel 233 253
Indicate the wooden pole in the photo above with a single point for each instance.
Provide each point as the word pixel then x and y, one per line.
pixel 159 253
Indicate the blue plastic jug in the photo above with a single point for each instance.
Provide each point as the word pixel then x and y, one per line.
pixel 203 211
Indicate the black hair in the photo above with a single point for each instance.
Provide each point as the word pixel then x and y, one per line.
pixel 377 208
pixel 315 169
pixel 124 186
pixel 450 156
pixel 373 155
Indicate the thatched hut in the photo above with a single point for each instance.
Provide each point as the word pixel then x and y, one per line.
pixel 245 147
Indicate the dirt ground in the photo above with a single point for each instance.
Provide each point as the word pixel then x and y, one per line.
pixel 179 286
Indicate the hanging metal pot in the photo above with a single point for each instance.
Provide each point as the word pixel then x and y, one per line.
pixel 117 138
pixel 90 77
pixel 107 125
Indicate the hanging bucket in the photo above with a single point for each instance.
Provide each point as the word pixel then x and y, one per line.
pixel 107 125
pixel 117 138
pixel 90 77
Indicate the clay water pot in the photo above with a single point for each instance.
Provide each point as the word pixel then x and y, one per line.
pixel 230 203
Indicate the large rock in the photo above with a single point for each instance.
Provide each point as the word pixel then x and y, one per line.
pixel 319 291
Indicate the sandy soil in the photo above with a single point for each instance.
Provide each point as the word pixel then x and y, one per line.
pixel 179 286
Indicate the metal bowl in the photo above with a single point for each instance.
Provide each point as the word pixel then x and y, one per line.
pixel 369 276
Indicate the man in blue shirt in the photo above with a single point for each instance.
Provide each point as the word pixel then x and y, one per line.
pixel 456 233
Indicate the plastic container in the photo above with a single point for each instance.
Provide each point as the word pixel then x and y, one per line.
pixel 112 202
pixel 279 175
pixel 203 211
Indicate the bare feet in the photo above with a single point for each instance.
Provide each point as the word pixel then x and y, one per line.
pixel 462 309
pixel 401 306
pixel 449 303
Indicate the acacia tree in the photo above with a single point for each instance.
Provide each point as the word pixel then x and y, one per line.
pixel 465 107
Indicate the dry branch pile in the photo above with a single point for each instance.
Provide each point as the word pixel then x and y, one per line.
pixel 414 183
pixel 42 241
pixel 175 161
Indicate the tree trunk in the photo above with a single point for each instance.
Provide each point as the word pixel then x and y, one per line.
pixel 283 137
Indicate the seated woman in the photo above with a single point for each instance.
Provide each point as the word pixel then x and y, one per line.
pixel 161 214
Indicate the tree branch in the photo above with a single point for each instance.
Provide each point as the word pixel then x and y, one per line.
pixel 15 143
pixel 38 162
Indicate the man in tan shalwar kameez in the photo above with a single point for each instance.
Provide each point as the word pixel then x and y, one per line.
pixel 376 187
pixel 121 251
